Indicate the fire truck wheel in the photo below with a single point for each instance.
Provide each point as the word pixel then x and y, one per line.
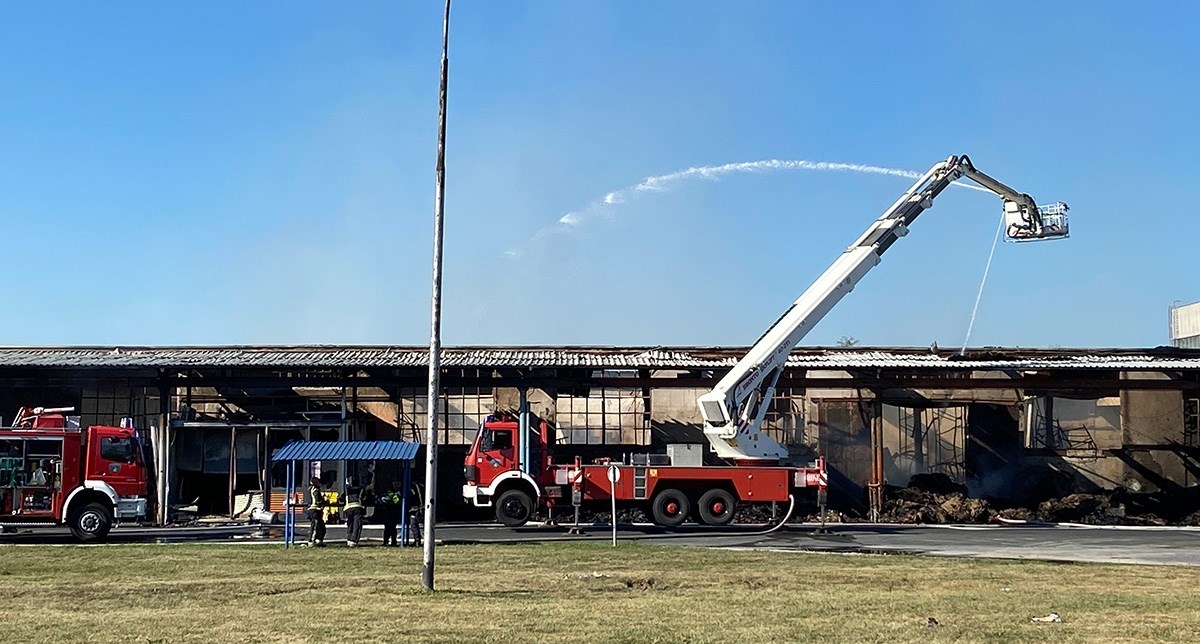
pixel 670 508
pixel 716 507
pixel 513 508
pixel 92 523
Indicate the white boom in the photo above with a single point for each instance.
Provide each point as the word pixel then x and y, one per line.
pixel 733 411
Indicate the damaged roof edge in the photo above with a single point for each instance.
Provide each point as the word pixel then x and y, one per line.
pixel 589 356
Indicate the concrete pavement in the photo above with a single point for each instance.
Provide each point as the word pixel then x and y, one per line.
pixel 1159 546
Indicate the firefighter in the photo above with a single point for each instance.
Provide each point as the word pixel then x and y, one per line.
pixel 41 477
pixel 316 513
pixel 388 506
pixel 353 512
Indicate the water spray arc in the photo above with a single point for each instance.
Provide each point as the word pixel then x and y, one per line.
pixel 666 182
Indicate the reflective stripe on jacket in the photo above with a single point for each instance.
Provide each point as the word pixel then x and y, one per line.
pixel 353 499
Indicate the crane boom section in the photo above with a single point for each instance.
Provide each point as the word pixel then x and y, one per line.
pixel 733 411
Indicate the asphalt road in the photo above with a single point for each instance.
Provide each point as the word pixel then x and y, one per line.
pixel 1162 546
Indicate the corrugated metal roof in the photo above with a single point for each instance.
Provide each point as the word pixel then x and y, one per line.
pixel 346 451
pixel 349 357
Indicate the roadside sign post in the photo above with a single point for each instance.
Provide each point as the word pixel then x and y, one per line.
pixel 576 499
pixel 614 475
pixel 822 491
pixel 576 492
pixel 575 478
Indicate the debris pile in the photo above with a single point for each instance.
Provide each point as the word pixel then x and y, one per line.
pixel 936 498
pixel 587 516
pixel 1119 507
pixel 933 498
pixel 757 513
pixel 1079 508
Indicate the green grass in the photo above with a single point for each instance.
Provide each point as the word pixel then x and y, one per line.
pixel 533 593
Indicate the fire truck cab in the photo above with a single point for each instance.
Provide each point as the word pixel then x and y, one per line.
pixel 54 473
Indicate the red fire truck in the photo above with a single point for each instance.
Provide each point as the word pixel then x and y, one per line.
pixel 670 487
pixel 54 473
pixel 509 466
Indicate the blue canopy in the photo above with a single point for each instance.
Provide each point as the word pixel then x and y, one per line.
pixel 346 451
pixel 297 451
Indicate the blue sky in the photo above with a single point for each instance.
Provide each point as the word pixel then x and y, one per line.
pixel 262 173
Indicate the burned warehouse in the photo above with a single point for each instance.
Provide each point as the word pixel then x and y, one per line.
pixel 1019 428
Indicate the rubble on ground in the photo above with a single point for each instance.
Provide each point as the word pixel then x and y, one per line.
pixel 755 513
pixel 588 516
pixel 908 505
pixel 935 498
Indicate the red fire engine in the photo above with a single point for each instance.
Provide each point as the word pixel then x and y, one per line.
pixel 509 467
pixel 670 487
pixel 54 473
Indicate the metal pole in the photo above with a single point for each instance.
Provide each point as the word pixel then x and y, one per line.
pixel 876 497
pixel 162 453
pixel 289 520
pixel 523 431
pixel 232 468
pixel 435 339
pixel 614 515
pixel 614 474
pixel 404 520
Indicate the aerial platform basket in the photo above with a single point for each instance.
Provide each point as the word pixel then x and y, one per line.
pixel 1049 222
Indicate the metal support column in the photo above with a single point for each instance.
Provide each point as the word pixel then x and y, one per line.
pixel 1048 438
pixel 404 520
pixel 289 513
pixel 918 437
pixel 875 487
pixel 232 468
pixel 523 430
pixel 162 455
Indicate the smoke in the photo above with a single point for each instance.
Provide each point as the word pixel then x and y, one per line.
pixel 665 182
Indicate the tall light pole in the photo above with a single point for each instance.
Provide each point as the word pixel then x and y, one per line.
pixel 435 339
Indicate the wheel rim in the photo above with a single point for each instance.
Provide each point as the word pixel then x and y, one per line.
pixel 718 508
pixel 90 521
pixel 672 508
pixel 514 509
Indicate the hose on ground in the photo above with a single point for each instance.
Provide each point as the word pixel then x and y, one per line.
pixel 787 515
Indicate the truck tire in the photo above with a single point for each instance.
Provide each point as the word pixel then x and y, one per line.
pixel 716 507
pixel 670 508
pixel 514 508
pixel 92 522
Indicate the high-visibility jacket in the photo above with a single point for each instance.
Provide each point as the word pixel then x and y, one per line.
pixel 353 501
pixel 316 498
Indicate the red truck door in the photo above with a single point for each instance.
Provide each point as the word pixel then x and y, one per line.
pixel 113 456
pixel 497 451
